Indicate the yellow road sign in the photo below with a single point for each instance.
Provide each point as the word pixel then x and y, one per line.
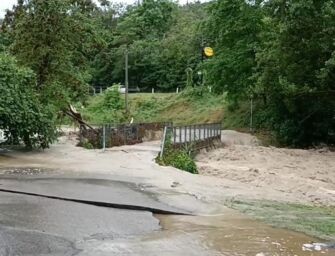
pixel 208 51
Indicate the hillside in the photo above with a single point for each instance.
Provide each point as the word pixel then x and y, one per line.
pixel 183 108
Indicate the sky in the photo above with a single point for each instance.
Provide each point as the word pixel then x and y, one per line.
pixel 7 4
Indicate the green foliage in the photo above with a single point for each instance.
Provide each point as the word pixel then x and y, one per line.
pixel 232 28
pixel 112 99
pixel 163 41
pixel 282 53
pixel 54 38
pixel 178 158
pixel 22 116
pixel 86 144
pixel 162 107
pixel 296 71
pixel 106 108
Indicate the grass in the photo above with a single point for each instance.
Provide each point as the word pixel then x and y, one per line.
pixel 180 108
pixel 312 220
pixel 188 107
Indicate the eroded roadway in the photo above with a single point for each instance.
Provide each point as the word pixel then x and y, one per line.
pixel 38 225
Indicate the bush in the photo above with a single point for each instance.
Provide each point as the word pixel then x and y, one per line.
pixel 112 98
pixel 86 144
pixel 22 116
pixel 180 159
pixel 107 107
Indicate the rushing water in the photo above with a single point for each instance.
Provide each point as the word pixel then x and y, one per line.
pixel 235 234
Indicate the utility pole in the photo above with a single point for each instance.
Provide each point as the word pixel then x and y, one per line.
pixel 126 79
pixel 202 60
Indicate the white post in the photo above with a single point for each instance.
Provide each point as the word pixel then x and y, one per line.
pixel 153 90
pixel 163 142
pixel 177 91
pixel 100 89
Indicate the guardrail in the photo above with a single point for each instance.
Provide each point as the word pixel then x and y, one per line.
pixel 194 136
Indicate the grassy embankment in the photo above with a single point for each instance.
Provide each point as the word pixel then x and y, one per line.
pixel 183 108
pixel 188 108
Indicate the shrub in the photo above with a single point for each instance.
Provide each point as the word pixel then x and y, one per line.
pixel 178 158
pixel 22 115
pixel 112 99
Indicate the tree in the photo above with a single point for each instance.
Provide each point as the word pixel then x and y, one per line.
pixel 233 28
pixel 22 116
pixel 181 47
pixel 159 51
pixel 55 39
pixel 296 70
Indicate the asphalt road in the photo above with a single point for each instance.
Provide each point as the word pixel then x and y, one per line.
pixel 36 225
pixel 32 225
pixel 116 193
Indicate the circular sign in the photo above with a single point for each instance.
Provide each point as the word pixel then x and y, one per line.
pixel 208 51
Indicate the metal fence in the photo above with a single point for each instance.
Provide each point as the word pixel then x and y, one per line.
pixel 195 137
pixel 110 135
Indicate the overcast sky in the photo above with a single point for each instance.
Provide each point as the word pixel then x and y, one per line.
pixel 7 4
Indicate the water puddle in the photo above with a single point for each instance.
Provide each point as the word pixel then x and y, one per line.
pixel 234 234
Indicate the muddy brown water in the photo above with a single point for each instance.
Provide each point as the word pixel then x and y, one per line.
pixel 234 234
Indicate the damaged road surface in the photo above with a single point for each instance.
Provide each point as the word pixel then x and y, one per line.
pixel 35 220
pixel 49 212
pixel 31 225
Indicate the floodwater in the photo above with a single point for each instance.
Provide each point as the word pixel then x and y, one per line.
pixel 234 234
pixel 229 234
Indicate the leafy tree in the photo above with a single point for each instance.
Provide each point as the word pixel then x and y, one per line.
pixel 159 52
pixel 233 29
pixel 55 39
pixel 296 70
pixel 181 47
pixel 22 116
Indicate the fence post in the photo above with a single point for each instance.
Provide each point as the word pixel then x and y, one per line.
pixel 103 138
pixel 190 131
pixel 185 134
pixel 204 131
pixel 174 135
pixel 163 142
pixel 199 128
